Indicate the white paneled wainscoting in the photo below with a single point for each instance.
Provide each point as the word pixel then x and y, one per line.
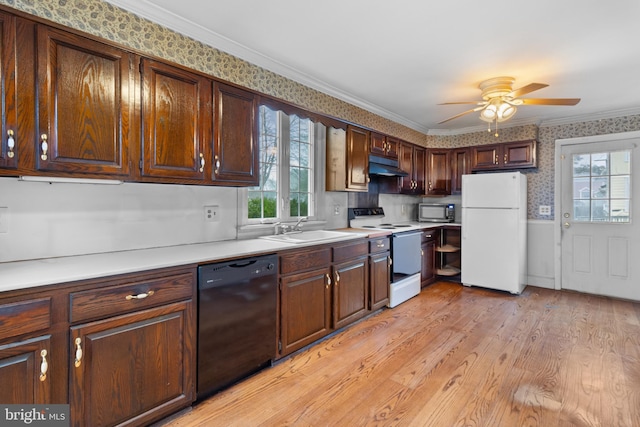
pixel 540 254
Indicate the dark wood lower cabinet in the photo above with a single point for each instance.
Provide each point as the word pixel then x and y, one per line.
pixel 305 309
pixel 379 277
pixel 351 296
pixel 26 363
pixel 428 272
pixel 132 368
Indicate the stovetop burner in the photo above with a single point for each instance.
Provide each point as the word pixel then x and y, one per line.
pixel 370 218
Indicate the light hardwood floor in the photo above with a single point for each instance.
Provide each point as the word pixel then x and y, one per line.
pixel 454 356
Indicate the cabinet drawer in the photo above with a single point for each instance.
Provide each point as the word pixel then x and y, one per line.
pixel 24 317
pixel 350 250
pixel 305 260
pixel 112 300
pixel 380 244
pixel 429 235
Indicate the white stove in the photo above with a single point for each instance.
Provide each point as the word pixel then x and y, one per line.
pixel 373 218
pixel 406 253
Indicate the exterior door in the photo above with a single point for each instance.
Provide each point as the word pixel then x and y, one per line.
pixel 600 241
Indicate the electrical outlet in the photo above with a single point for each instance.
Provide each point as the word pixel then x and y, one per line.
pixel 212 213
pixel 4 220
pixel 544 210
pixel 403 209
pixel 336 209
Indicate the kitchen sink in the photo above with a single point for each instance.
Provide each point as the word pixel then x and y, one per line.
pixel 309 236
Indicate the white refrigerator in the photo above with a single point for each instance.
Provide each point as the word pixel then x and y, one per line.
pixel 494 231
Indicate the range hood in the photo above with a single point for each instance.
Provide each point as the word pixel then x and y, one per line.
pixel 384 167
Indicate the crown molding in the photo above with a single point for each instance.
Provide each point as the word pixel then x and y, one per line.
pixel 611 114
pixel 174 22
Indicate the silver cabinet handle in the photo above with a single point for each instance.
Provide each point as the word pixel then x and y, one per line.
pixel 11 143
pixel 44 146
pixel 201 162
pixel 328 280
pixel 44 365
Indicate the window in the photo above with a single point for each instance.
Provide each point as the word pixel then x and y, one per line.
pixel 286 190
pixel 602 186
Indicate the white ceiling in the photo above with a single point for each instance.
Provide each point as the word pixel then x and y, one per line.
pixel 401 58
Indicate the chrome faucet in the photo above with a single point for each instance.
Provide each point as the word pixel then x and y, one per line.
pixel 298 225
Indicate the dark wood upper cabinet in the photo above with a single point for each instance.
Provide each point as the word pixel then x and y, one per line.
pixel 235 151
pixel 412 160
pixel 438 172
pixel 8 93
pixel 520 154
pixel 347 156
pixel 177 122
pixel 85 91
pixel 384 146
pixel 509 155
pixel 460 165
pixel 357 159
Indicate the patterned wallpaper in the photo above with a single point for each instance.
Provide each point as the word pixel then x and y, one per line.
pixel 110 22
pixel 105 20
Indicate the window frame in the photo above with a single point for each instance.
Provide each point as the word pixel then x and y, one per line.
pixel 317 140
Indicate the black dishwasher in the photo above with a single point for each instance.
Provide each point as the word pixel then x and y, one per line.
pixel 236 320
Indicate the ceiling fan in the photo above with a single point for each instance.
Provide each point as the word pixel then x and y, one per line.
pixel 500 101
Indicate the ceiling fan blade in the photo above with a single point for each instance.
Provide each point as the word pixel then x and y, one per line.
pixel 462 114
pixel 550 101
pixel 464 102
pixel 527 89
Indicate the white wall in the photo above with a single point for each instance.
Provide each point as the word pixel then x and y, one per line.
pixel 51 220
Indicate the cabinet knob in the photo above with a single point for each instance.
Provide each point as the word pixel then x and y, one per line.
pixel 44 145
pixel 11 143
pixel 202 162
pixel 44 365
pixel 78 360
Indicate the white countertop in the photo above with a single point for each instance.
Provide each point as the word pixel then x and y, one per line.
pixel 27 274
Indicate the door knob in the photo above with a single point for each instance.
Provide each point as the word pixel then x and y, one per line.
pixel 566 225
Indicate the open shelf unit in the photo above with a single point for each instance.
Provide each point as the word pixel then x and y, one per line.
pixel 448 253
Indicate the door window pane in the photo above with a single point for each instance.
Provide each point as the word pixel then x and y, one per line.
pixel 602 187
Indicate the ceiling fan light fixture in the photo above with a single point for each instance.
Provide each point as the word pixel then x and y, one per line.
pixel 505 111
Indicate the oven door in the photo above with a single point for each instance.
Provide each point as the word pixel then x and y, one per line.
pixel 405 254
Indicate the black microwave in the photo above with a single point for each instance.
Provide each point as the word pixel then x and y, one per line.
pixel 431 212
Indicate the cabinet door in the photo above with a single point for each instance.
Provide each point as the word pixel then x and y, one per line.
pixel 8 93
pixel 378 144
pixel 235 152
pixel 351 296
pixel 138 366
pixel 357 159
pixel 305 309
pixel 379 279
pixel 419 170
pixel 521 154
pixel 405 159
pixel 439 172
pixel 176 115
pixel 84 99
pixel 459 166
pixel 393 146
pixel 25 365
pixel 484 157
pixel 428 272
